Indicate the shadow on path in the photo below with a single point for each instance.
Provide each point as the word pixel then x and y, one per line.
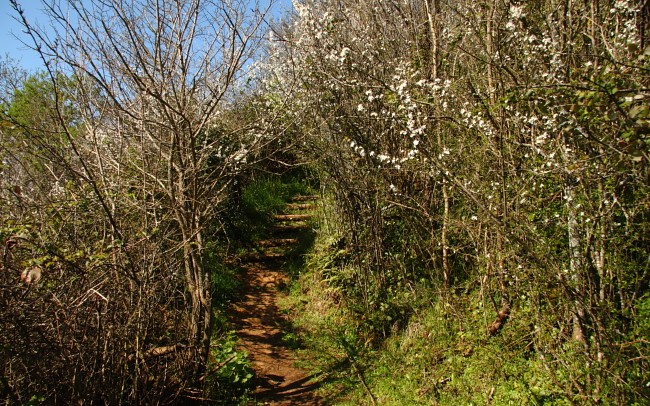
pixel 261 327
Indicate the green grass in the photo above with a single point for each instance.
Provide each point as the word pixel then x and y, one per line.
pixel 437 352
pixel 251 215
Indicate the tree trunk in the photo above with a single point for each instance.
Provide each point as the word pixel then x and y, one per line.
pixel 576 263
pixel 433 10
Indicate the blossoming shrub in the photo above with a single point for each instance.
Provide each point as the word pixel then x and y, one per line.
pixel 495 148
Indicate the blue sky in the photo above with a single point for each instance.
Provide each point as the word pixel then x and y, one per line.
pixel 10 28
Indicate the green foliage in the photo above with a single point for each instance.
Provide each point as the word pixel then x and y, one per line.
pixel 438 350
pixel 292 340
pixel 264 197
pixel 642 329
pixel 35 400
pixel 268 196
pixel 229 370
pixel 251 210
pixel 224 277
pixel 34 104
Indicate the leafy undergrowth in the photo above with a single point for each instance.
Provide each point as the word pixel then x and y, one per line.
pixel 437 350
pixel 253 208
pixel 421 345
pixel 231 370
pixel 228 371
pixel 437 358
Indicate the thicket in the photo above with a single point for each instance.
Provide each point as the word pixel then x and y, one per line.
pixel 118 162
pixel 488 169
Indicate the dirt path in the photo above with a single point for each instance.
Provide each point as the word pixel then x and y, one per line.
pixel 261 326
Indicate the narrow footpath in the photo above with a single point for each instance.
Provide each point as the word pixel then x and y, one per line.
pixel 260 324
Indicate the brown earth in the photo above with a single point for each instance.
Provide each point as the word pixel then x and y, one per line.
pixel 261 326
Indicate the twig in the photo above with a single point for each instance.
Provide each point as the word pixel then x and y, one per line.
pixel 219 366
pixel 363 381
pixel 158 351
